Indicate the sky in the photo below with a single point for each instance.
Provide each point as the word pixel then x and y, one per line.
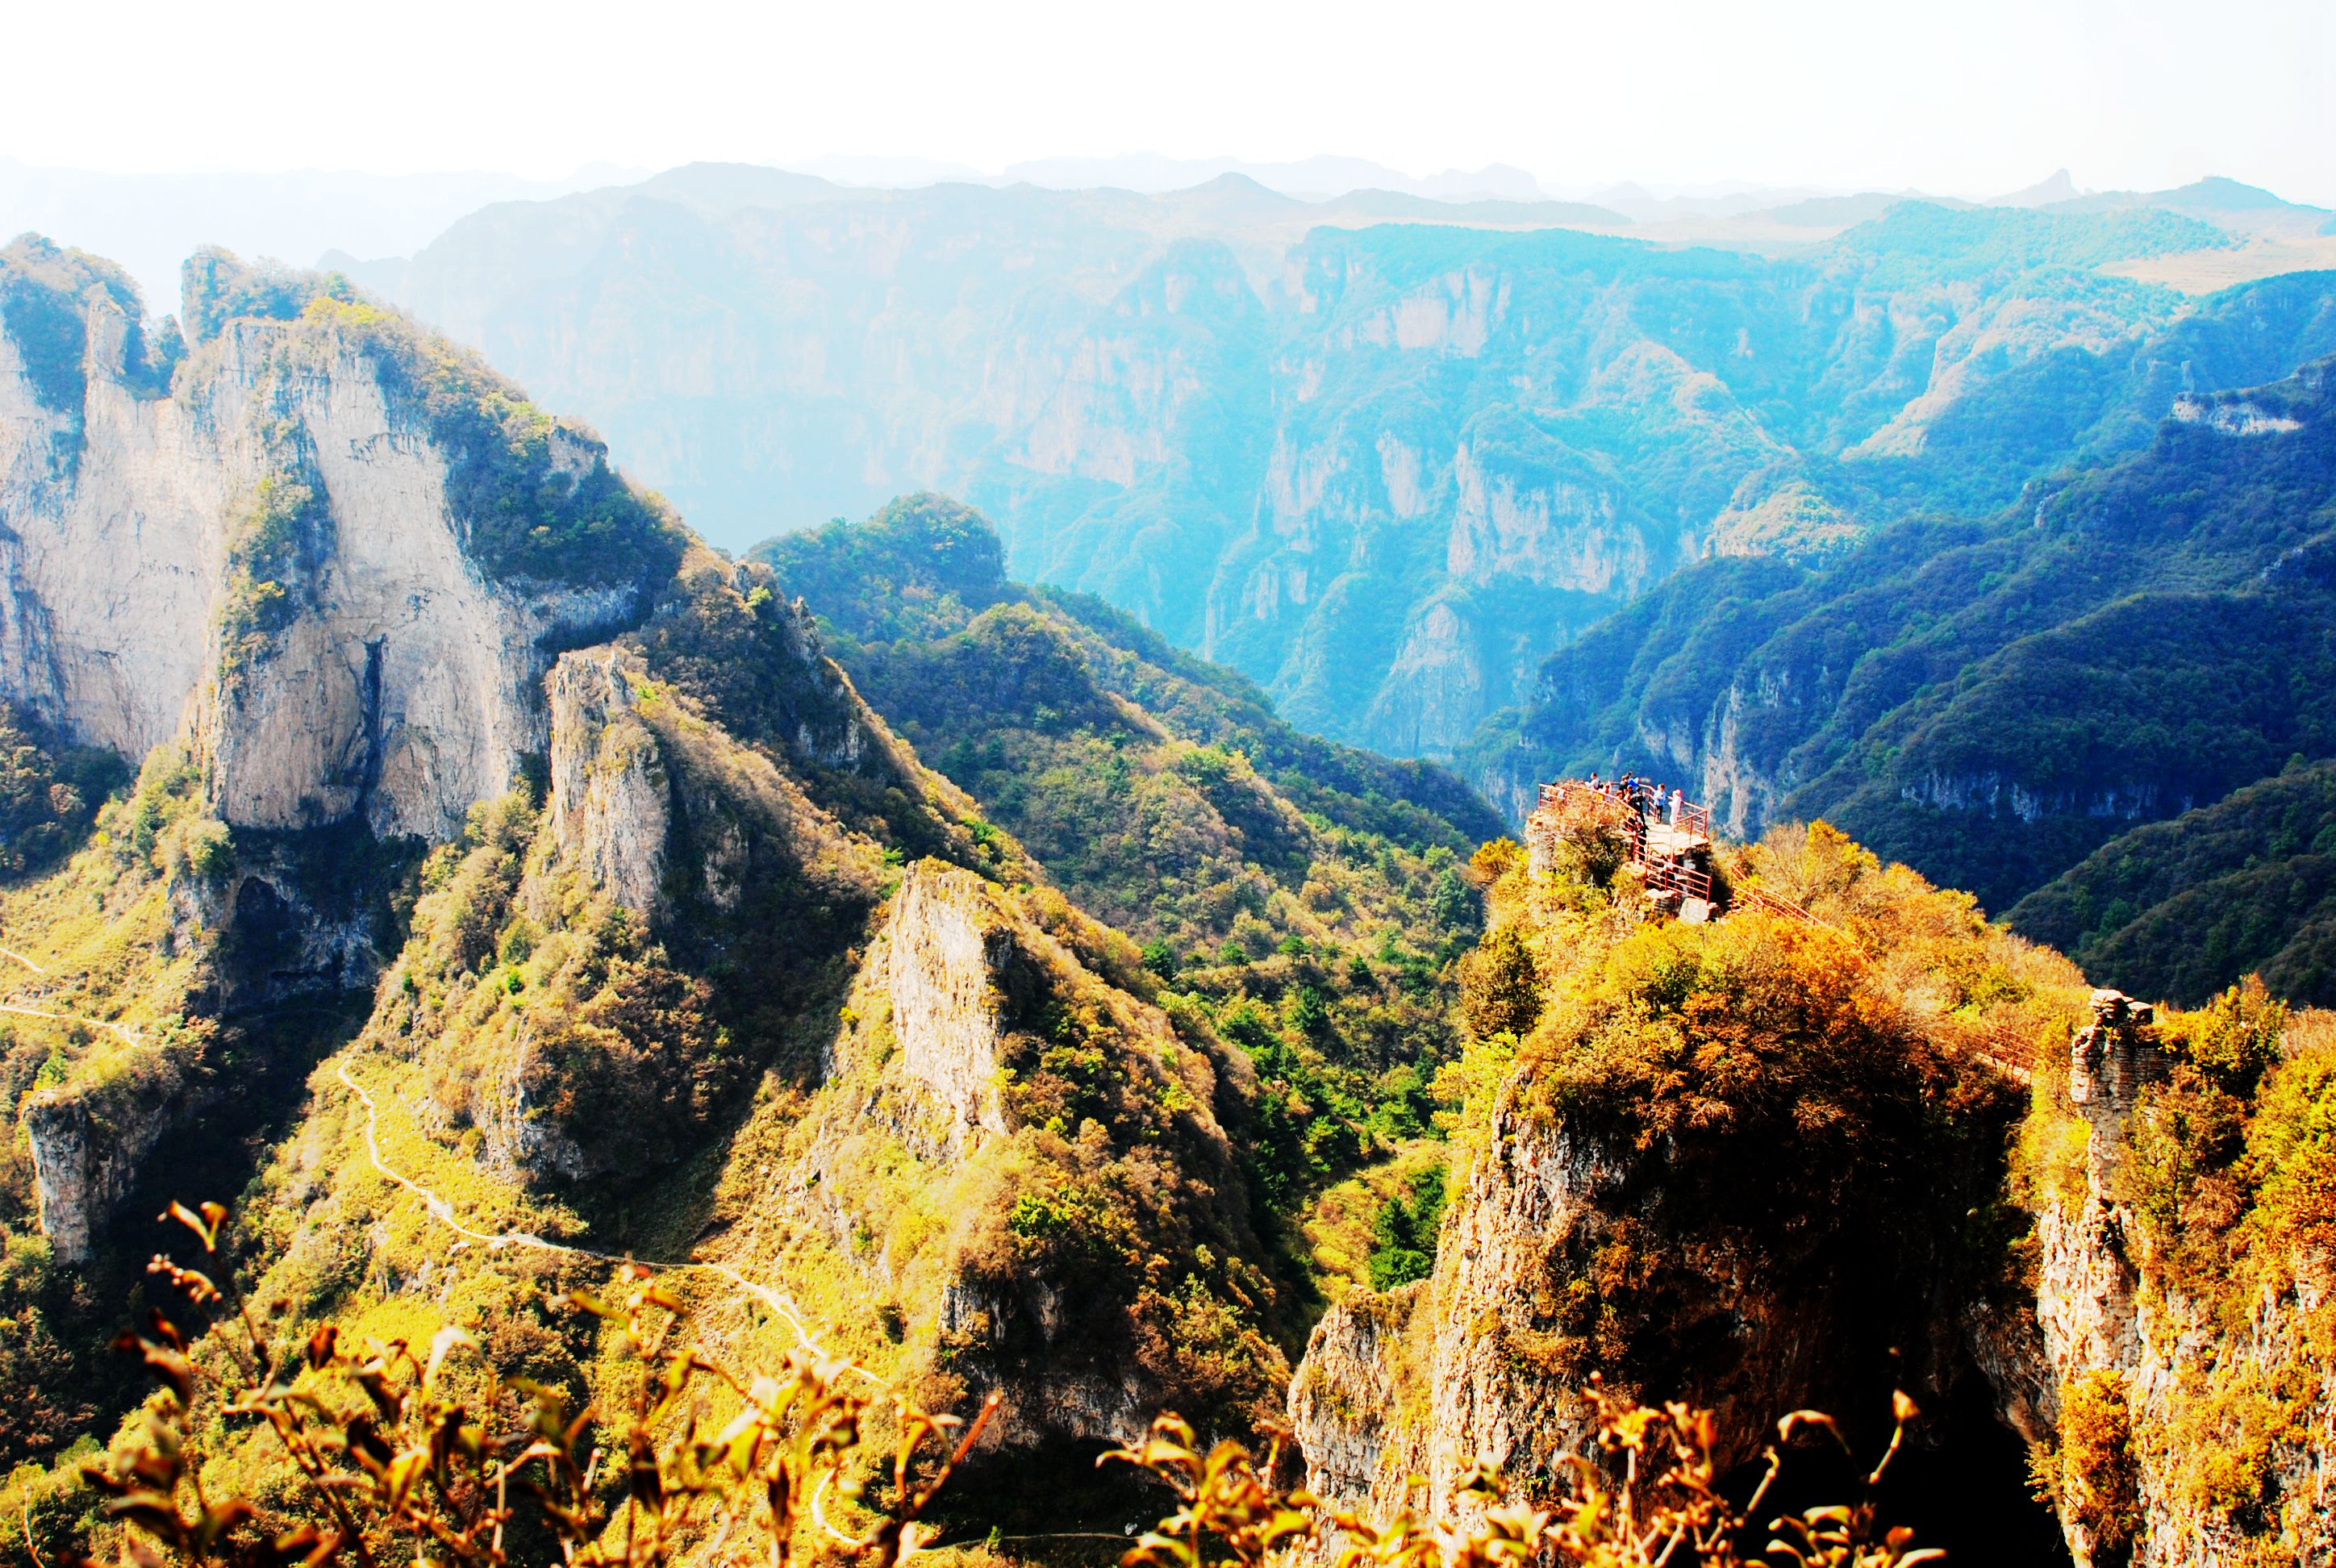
pixel 1973 99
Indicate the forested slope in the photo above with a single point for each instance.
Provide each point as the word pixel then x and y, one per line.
pixel 1307 898
pixel 2182 909
pixel 1993 700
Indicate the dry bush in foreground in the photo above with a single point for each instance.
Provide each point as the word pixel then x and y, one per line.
pixel 396 1457
pixel 1650 1498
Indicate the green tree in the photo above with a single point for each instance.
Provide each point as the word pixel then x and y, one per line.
pixel 1501 988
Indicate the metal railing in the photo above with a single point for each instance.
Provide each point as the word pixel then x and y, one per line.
pixel 1670 874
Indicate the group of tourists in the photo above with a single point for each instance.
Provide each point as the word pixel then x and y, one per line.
pixel 1648 799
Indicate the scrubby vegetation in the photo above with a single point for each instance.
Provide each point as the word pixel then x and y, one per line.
pixel 1299 901
pixel 2091 1472
pixel 49 793
pixel 274 544
pixel 387 1444
pixel 534 498
pixel 572 1010
pixel 897 596
pixel 99 1028
pixel 2184 909
pixel 1100 1238
pixel 1376 1229
pixel 562 1072
pixel 2229 1173
pixel 1789 1099
pixel 216 287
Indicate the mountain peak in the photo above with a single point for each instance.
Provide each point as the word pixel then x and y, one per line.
pixel 2058 186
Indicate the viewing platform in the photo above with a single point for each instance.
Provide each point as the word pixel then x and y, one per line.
pixel 1666 837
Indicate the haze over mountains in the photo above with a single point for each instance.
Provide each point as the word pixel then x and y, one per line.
pixel 408 823
pixel 150 222
pixel 1382 452
pixel 1379 453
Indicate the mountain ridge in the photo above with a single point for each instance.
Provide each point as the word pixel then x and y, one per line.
pixel 1985 701
pixel 1382 468
pixel 947 978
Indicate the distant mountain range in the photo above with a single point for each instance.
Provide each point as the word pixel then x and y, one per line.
pixel 1380 453
pixel 150 223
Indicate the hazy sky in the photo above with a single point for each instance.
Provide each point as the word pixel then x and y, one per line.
pixel 1972 98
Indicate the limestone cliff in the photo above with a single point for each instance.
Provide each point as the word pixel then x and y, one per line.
pixel 1346 1402
pixel 2158 1336
pixel 989 1161
pixel 1743 1163
pixel 608 812
pixel 1426 1381
pixel 1024 1158
pixel 2183 1429
pixel 83 1165
pixel 90 1135
pixel 1919 689
pixel 946 954
pixel 275 545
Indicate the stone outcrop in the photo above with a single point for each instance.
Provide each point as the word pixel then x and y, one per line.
pixel 2110 1061
pixel 2094 1315
pixel 946 953
pixel 998 1122
pixel 1425 1383
pixel 405 683
pixel 80 1169
pixel 608 806
pixel 1581 1238
pixel 90 1136
pixel 1346 1401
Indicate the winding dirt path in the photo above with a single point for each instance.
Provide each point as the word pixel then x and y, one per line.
pixel 121 1031
pixel 444 1212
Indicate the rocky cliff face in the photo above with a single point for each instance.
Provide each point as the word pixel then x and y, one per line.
pixel 90 1135
pixel 1426 1381
pixel 83 1165
pixel 2164 1357
pixel 608 809
pixel 1346 1401
pixel 265 545
pixel 2199 1477
pixel 1003 1133
pixel 323 562
pixel 946 956
pixel 1738 1163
